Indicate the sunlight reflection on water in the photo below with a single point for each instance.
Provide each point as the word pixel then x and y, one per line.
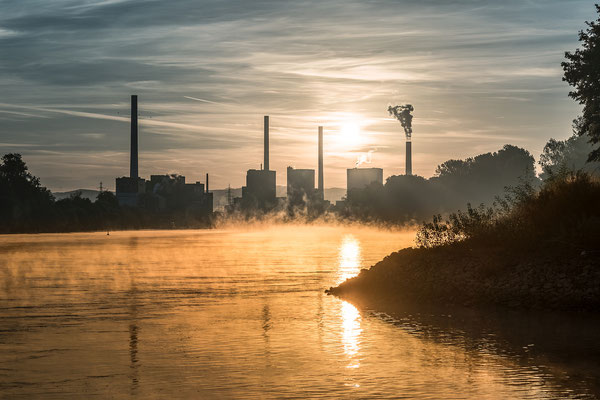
pixel 351 333
pixel 349 258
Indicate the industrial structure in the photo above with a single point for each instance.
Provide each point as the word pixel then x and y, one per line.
pixel 260 190
pixel 300 186
pixel 403 114
pixel 301 190
pixel 129 188
pixel 321 188
pixel 360 178
pixel 172 193
pixel 162 193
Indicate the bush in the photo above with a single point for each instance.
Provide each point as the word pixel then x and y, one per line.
pixel 561 211
pixel 459 226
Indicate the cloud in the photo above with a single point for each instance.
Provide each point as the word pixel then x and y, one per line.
pixel 207 71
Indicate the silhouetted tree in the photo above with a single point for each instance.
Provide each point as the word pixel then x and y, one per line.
pixel 582 71
pixel 23 201
pixel 479 179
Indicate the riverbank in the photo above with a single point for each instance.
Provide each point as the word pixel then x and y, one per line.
pixel 542 250
pixel 548 277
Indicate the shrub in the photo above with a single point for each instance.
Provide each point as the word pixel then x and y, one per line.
pixel 561 211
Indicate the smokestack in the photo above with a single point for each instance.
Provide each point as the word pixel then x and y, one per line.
pixel 207 183
pixel 320 183
pixel 133 160
pixel 403 114
pixel 408 157
pixel 266 163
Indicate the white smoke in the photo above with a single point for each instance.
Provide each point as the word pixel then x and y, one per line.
pixel 364 158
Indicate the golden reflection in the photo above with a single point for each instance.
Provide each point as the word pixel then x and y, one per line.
pixel 351 332
pixel 349 262
pixel 348 258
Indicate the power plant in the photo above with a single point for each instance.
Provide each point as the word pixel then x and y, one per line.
pixel 260 190
pixel 171 192
pixel 161 192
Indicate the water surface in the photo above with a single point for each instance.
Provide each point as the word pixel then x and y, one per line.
pixel 234 313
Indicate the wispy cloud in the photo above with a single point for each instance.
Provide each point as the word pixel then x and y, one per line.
pixel 478 73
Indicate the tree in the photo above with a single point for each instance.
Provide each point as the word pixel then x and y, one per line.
pixel 24 203
pixel 582 71
pixel 562 158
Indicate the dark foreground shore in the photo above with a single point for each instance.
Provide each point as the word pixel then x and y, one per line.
pixel 549 277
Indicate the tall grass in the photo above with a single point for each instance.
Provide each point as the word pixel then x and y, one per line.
pixel 563 212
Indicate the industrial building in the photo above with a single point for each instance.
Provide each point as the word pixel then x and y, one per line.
pixel 162 193
pixel 171 192
pixel 129 188
pixel 360 178
pixel 300 186
pixel 260 190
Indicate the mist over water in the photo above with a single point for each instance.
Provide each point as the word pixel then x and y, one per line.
pixel 237 312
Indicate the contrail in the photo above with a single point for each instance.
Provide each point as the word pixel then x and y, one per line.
pixel 204 101
pixel 151 122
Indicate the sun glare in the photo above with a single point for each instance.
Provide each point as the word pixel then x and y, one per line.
pixel 350 133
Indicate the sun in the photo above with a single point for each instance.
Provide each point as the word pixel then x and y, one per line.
pixel 350 132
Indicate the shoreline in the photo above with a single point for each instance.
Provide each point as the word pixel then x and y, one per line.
pixel 547 277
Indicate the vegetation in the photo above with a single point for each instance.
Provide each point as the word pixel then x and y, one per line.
pixel 563 157
pixel 564 211
pixel 582 71
pixel 411 198
pixel 536 248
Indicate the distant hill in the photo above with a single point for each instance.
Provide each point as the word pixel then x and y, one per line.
pixel 85 193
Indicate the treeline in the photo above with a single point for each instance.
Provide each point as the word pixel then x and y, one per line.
pixel 483 179
pixel 28 207
pixel 479 179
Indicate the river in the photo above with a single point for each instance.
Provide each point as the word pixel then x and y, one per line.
pixel 241 313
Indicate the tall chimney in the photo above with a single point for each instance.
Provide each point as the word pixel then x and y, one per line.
pixel 207 183
pixel 408 157
pixel 266 164
pixel 133 160
pixel 321 189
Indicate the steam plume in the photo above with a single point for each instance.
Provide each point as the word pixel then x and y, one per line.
pixel 364 159
pixel 402 114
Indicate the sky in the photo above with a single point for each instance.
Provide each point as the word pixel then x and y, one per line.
pixel 480 74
